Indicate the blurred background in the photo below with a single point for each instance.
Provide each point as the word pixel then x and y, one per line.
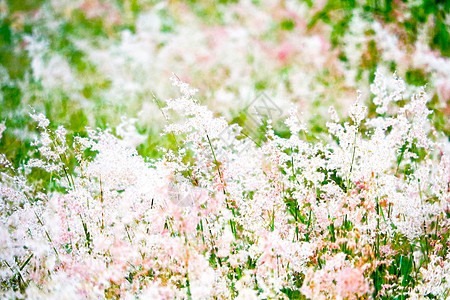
pixel 94 63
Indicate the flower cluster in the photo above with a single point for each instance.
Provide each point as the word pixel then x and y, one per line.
pixel 362 212
pixel 311 160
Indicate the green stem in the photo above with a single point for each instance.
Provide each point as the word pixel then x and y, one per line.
pixel 353 159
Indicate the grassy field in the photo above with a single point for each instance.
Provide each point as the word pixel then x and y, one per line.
pixel 229 149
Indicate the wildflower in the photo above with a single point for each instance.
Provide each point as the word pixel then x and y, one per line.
pixel 2 128
pixel 358 111
pixel 43 122
pixel 351 282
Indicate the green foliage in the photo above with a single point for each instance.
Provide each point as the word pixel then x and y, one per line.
pixel 287 24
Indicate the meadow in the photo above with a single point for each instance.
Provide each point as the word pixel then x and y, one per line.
pixel 224 150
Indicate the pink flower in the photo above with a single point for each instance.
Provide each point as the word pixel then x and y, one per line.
pixel 284 52
pixel 350 282
pixel 443 90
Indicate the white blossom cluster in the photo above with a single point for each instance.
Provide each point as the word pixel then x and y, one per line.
pixel 207 221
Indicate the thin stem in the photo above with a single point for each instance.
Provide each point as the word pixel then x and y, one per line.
pixel 215 160
pixel 165 117
pixel 232 223
pixel 353 159
pixel 46 233
pixel 101 201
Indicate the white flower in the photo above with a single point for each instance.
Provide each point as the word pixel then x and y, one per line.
pixel 2 128
pixel 358 111
pixel 43 122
